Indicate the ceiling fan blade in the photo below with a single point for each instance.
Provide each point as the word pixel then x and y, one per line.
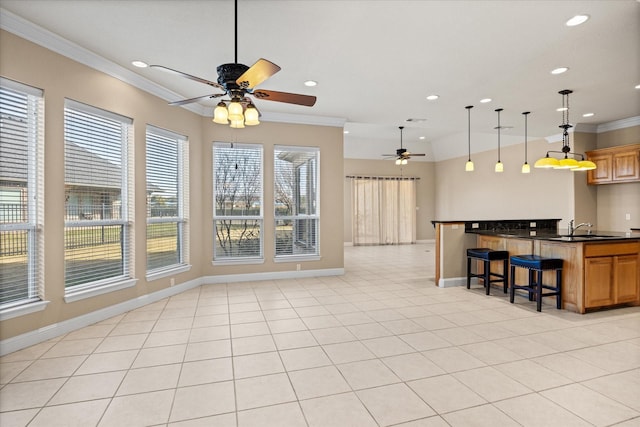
pixel 291 98
pixel 414 154
pixel 257 73
pixel 197 98
pixel 188 76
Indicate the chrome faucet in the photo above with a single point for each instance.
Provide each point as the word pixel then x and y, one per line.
pixel 572 229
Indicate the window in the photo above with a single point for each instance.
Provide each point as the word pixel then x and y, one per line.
pixel 296 199
pixel 21 194
pixel 237 210
pixel 167 183
pixel 98 197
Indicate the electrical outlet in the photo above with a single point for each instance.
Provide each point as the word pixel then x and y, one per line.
pixel 627 217
pixel 172 281
pixel 298 267
pixel 475 225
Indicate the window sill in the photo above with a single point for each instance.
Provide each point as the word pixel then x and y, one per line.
pixel 22 310
pixel 238 261
pixel 297 258
pixel 166 272
pixel 77 295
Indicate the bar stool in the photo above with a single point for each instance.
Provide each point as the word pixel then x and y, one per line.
pixel 536 266
pixel 487 255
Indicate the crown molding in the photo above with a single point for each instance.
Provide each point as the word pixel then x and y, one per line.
pixel 303 119
pixel 619 124
pixel 45 38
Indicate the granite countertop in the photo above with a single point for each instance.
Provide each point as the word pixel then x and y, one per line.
pixel 579 236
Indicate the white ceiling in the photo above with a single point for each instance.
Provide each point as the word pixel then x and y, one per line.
pixel 376 61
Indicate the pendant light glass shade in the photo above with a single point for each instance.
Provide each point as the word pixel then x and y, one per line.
pixel 585 165
pixel 468 167
pixel 525 167
pixel 567 163
pixel 221 114
pixel 546 162
pixel 499 166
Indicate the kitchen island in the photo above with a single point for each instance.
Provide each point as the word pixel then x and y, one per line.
pixel 601 269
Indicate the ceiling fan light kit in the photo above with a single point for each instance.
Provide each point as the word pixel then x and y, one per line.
pixel 402 156
pixel 238 82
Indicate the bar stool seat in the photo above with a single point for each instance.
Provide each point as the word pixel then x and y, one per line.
pixel 536 266
pixel 487 255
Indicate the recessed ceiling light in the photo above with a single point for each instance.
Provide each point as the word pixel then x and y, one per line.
pixel 577 20
pixel 562 109
pixel 485 100
pixel 559 70
pixel 139 64
pixel 310 83
pixel 346 132
pixel 588 115
pixel 422 137
pixel 637 86
pixel 432 97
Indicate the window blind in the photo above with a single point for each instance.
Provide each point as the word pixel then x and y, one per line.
pixel 21 193
pixel 237 187
pixel 166 220
pixel 296 200
pixel 98 191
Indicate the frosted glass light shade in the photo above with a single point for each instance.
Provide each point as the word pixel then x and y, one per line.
pixel 251 116
pixel 235 111
pixel 220 114
pixel 526 168
pixel 237 124
pixel 585 165
pixel 567 163
pixel 468 167
pixel 499 167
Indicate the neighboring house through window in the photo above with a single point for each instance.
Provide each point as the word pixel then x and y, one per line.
pixel 237 198
pixel 296 201
pixel 98 200
pixel 167 185
pixel 21 194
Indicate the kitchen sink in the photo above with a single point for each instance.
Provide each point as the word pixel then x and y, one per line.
pixel 580 237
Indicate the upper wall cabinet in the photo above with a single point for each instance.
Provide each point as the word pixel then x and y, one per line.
pixel 615 164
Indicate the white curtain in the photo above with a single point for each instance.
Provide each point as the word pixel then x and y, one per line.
pixel 384 211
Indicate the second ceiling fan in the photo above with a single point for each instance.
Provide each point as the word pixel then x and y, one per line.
pixel 402 154
pixel 238 81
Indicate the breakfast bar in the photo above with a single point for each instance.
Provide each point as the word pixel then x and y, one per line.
pixel 601 269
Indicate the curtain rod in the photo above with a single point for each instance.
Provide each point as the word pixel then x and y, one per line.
pixel 394 178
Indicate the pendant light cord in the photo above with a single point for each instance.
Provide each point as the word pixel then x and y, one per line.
pixel 498 111
pixel 469 107
pixel 526 114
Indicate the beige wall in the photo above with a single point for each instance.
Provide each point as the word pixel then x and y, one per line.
pixel 62 78
pixel 425 190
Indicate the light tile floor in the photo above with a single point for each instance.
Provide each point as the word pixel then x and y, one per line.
pixel 378 346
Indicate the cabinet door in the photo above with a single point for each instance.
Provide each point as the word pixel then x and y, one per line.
pixel 598 278
pixel 625 166
pixel 625 270
pixel 603 172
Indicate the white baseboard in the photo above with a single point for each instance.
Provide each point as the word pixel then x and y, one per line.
pixel 452 281
pixel 274 275
pixel 30 338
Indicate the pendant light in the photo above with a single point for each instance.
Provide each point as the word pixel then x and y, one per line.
pixel 468 167
pixel 499 166
pixel 566 162
pixel 525 167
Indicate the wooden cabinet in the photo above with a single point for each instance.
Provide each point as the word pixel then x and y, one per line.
pixel 615 165
pixel 611 274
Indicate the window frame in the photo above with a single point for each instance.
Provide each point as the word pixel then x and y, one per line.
pixel 182 201
pixel 315 216
pixel 249 259
pixel 126 205
pixel 33 224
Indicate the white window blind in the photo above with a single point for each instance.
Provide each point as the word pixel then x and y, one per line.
pixel 296 200
pixel 21 194
pixel 98 191
pixel 237 199
pixel 167 182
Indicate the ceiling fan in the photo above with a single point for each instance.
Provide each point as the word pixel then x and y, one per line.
pixel 238 80
pixel 402 155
